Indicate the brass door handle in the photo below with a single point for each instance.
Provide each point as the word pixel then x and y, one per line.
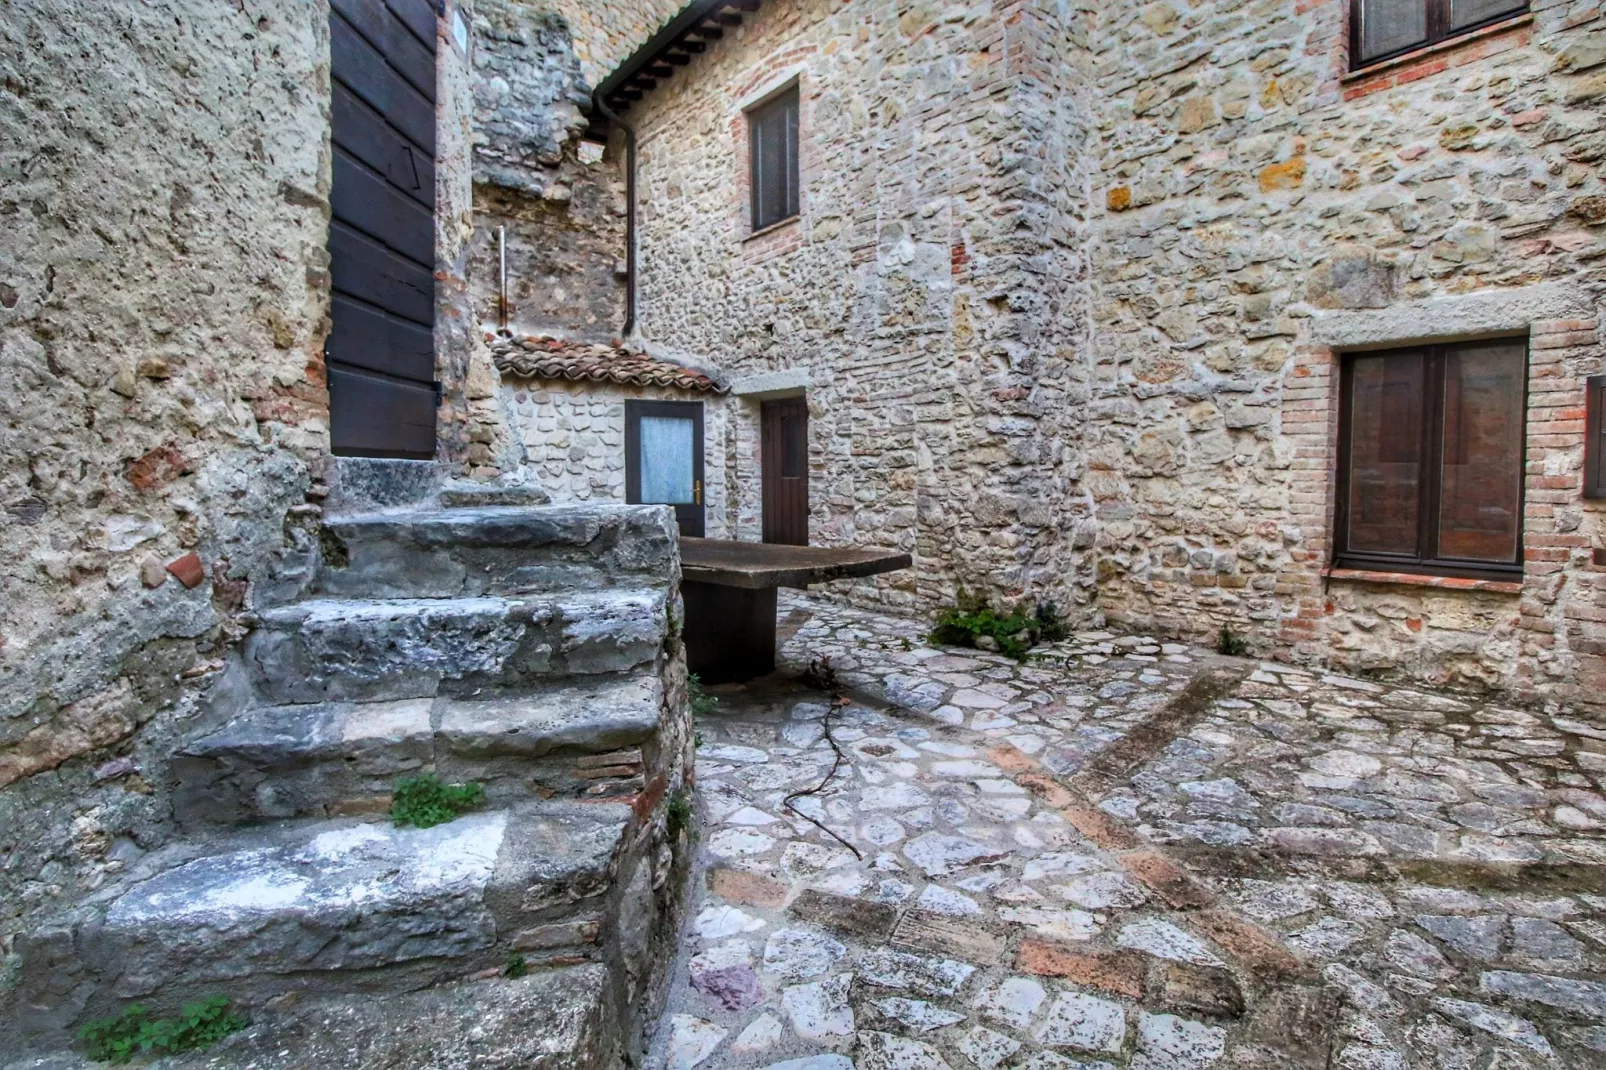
pixel 697 492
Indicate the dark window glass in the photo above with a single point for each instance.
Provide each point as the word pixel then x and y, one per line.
pixel 1431 459
pixel 1480 486
pixel 772 134
pixel 1391 26
pixel 1468 13
pixel 1381 29
pixel 1385 488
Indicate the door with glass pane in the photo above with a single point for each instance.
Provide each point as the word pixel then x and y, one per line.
pixel 664 458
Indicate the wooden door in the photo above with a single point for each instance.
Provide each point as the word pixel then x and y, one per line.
pixel 664 458
pixel 785 463
pixel 381 349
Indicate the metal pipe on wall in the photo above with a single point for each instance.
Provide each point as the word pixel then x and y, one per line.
pixel 501 293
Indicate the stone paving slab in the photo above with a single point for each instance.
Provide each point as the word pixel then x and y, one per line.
pixel 1048 874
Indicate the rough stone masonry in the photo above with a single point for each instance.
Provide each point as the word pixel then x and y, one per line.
pixel 1068 280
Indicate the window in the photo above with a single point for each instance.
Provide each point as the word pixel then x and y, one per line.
pixel 1595 438
pixel 772 159
pixel 1383 29
pixel 1431 444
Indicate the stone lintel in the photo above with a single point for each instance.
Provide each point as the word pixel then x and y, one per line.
pixel 1447 319
pixel 792 382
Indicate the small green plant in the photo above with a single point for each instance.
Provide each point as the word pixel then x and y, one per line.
pixel 974 623
pixel 423 801
pixel 702 703
pixel 1231 643
pixel 516 967
pixel 678 815
pixel 133 1032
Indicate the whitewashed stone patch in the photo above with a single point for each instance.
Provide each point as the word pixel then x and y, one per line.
pixel 1078 1020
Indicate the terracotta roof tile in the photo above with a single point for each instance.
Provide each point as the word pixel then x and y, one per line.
pixel 535 357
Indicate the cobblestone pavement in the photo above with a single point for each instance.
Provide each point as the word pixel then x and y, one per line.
pixel 1129 854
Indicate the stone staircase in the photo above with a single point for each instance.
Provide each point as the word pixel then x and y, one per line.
pixel 531 649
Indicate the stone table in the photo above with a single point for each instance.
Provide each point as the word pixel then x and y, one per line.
pixel 729 588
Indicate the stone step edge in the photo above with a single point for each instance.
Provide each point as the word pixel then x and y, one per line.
pixel 494 527
pixel 386 899
pixel 499 726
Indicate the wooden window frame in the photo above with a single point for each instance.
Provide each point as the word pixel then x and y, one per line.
pixel 789 94
pixel 1432 453
pixel 1438 31
pixel 1595 437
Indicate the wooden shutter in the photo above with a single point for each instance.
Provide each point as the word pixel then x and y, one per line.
pixel 381 348
pixel 1595 440
pixel 772 159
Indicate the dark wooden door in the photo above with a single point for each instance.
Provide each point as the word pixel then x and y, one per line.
pixel 785 463
pixel 664 458
pixel 381 349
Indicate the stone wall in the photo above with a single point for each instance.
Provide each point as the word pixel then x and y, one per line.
pixel 932 291
pixel 1069 281
pixel 163 411
pixel 573 434
pixel 556 200
pixel 607 33
pixel 1256 205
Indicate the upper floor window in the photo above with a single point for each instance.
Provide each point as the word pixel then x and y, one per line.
pixel 1383 29
pixel 1431 444
pixel 772 158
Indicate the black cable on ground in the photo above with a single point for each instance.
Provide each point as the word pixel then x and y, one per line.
pixel 821 674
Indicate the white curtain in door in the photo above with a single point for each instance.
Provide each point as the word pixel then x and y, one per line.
pixel 666 460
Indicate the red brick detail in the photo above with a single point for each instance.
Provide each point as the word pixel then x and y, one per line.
pixel 1163 878
pixel 1412 579
pixel 1120 972
pixel 158 468
pixel 1252 946
pixel 188 570
pixel 748 889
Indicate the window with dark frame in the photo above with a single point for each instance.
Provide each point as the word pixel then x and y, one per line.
pixel 1595 437
pixel 772 159
pixel 1383 29
pixel 1431 450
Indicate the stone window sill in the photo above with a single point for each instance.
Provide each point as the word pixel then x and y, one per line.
pixel 1414 579
pixel 790 220
pixel 1449 44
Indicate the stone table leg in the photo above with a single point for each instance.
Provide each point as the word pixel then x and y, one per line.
pixel 730 632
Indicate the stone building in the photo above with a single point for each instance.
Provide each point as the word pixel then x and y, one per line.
pixel 235 282
pixel 1070 291
pixel 1065 299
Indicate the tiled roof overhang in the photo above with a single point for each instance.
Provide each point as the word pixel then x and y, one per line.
pixel 687 34
pixel 537 357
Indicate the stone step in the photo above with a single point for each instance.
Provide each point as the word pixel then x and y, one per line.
pixel 481 1023
pixel 342 906
pixel 325 650
pixel 468 552
pixel 579 736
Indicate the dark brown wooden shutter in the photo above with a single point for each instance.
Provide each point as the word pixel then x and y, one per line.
pixel 1595 438
pixel 381 348
pixel 773 175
